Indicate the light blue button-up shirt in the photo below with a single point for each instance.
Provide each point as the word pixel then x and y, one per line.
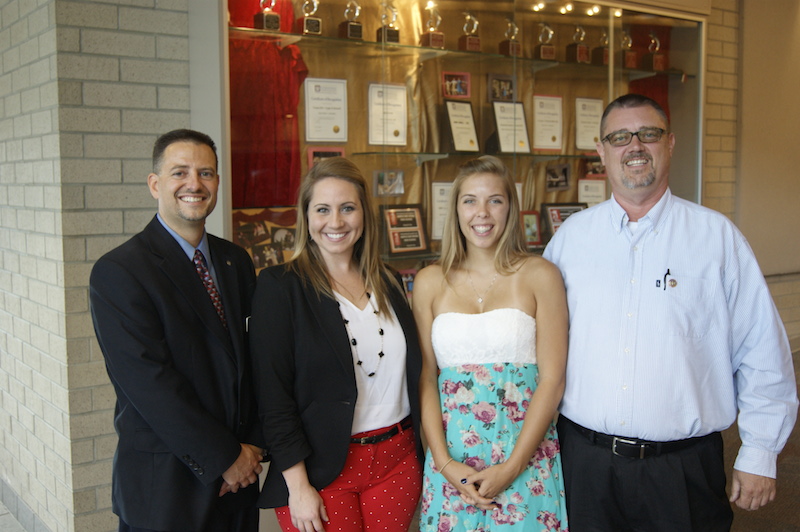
pixel 673 330
pixel 189 249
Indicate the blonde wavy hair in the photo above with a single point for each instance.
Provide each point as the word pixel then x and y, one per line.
pixel 511 246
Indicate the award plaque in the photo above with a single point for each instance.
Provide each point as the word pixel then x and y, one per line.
pixel 388 33
pixel 351 28
pixel 600 54
pixel 628 58
pixel 545 51
pixel 511 46
pixel 654 61
pixel 432 37
pixel 267 19
pixel 578 51
pixel 309 24
pixel 470 42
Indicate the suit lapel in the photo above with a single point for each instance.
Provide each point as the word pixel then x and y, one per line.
pixel 180 270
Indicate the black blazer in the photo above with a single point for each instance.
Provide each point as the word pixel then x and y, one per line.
pixel 305 378
pixel 184 392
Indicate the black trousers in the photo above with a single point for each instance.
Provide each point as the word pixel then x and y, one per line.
pixel 680 491
pixel 241 521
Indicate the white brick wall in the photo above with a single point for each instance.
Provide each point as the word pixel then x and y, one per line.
pixel 81 109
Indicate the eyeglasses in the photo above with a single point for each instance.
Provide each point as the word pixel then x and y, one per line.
pixel 646 135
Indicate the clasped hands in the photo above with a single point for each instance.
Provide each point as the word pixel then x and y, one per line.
pixel 244 471
pixel 479 488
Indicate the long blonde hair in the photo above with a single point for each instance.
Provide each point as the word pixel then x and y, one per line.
pixel 511 245
pixel 307 261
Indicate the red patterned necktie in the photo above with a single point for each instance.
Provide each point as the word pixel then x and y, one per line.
pixel 208 282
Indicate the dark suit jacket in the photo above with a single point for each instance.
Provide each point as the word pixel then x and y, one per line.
pixel 306 384
pixel 184 391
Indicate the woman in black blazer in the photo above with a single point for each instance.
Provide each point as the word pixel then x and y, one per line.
pixel 337 365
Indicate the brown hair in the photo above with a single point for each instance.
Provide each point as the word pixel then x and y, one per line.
pixel 307 260
pixel 628 101
pixel 511 246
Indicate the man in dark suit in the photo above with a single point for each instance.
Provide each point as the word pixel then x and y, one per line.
pixel 169 308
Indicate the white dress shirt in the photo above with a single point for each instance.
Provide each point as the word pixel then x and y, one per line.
pixel 673 330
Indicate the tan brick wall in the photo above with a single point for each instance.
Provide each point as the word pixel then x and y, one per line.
pixel 720 120
pixel 721 142
pixel 81 109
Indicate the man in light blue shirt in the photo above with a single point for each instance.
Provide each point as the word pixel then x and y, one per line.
pixel 673 332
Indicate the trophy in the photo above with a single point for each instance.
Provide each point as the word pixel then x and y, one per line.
pixel 388 33
pixel 470 42
pixel 578 51
pixel 511 46
pixel 628 57
pixel 544 50
pixel 432 37
pixel 267 19
pixel 654 61
pixel 600 54
pixel 309 24
pixel 351 28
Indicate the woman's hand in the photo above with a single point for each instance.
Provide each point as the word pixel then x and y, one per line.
pixel 307 509
pixel 493 480
pixel 458 474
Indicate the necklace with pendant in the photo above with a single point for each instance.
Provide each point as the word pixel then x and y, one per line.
pixel 481 297
pixel 354 342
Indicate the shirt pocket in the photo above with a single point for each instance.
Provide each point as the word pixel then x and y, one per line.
pixel 689 306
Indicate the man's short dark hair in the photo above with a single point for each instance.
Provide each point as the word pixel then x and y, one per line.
pixel 627 101
pixel 180 135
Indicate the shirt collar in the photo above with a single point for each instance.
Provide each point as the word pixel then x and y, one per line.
pixel 186 246
pixel 619 218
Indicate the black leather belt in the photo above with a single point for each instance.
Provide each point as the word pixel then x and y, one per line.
pixel 632 447
pixel 383 436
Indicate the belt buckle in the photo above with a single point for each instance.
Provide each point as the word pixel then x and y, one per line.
pixel 627 442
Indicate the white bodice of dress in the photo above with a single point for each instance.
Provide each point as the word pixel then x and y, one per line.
pixel 500 335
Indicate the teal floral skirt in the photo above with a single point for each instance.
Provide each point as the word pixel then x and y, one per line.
pixel 483 408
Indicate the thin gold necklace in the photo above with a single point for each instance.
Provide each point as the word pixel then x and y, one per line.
pixel 481 297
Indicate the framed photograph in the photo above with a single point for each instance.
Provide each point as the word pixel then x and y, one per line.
pixel 558 177
pixel 268 234
pixel 388 183
pixel 530 224
pixel 554 214
pixel 404 229
pixel 317 153
pixel 501 88
pixel 456 85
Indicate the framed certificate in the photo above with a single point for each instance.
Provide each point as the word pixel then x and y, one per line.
pixel 326 110
pixel 404 228
pixel 554 214
pixel 530 225
pixel 547 122
pixel 512 130
pixel 388 115
pixel 462 126
pixel 440 194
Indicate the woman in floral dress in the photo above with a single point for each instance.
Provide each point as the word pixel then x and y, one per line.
pixel 493 329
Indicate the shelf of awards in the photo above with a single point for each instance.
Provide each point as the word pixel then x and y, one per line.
pixel 355 49
pixel 361 49
pixel 422 158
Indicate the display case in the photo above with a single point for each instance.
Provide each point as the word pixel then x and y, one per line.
pixel 531 77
